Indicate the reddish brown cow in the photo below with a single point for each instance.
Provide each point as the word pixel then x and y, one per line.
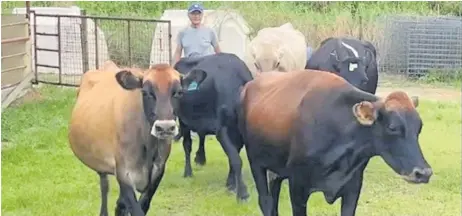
pixel 319 131
pixel 123 125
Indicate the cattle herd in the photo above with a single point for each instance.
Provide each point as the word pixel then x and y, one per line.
pixel 315 122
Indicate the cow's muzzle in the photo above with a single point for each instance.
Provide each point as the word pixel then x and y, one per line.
pixel 419 175
pixel 164 129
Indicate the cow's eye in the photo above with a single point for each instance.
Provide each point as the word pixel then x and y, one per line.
pixel 178 94
pixel 394 129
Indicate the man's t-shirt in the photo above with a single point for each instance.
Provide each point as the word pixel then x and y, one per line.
pixel 197 42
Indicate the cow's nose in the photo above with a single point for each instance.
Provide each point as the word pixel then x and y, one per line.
pixel 422 174
pixel 164 128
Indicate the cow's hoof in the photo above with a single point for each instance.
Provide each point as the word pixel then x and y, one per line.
pixel 242 194
pixel 231 188
pixel 187 175
pixel 200 160
pixel 243 199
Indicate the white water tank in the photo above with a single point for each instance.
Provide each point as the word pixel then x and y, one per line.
pixel 230 27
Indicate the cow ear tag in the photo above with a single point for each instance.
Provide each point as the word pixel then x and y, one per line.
pixel 353 67
pixel 192 86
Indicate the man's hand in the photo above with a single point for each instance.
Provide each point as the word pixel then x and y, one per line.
pixel 217 49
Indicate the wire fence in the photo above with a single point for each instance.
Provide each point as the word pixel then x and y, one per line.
pixel 418 45
pixel 406 45
pixel 67 45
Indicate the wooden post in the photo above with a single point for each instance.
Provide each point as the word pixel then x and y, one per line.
pixel 84 42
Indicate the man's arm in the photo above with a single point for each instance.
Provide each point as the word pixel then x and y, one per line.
pixel 215 44
pixel 179 48
pixel 177 54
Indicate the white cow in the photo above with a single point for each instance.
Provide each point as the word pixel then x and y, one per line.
pixel 281 48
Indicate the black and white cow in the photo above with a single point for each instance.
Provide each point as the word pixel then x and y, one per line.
pixel 352 59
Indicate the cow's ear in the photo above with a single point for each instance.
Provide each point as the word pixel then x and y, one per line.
pixel 127 80
pixel 193 79
pixel 280 53
pixel 365 112
pixel 253 50
pixel 415 101
pixel 181 79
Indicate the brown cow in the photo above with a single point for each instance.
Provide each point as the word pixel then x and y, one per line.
pixel 123 125
pixel 319 131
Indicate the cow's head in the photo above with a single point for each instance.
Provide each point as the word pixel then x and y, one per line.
pixel 396 127
pixel 268 57
pixel 350 63
pixel 161 90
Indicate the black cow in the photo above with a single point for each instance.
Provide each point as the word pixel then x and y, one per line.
pixel 350 58
pixel 318 131
pixel 219 77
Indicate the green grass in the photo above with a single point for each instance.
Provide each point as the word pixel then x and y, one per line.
pixel 41 176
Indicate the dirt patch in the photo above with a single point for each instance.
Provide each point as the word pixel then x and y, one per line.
pixel 388 84
pixel 439 94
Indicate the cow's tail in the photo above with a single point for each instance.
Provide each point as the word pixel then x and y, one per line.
pixel 227 114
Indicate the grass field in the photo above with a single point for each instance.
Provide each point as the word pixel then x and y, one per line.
pixel 41 176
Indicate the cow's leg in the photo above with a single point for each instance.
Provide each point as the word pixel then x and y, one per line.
pixel 261 182
pixel 187 145
pixel 351 196
pixel 275 189
pixel 127 193
pixel 231 181
pixel 121 208
pixel 129 196
pixel 146 197
pixel 104 187
pixel 234 160
pixel 200 154
pixel 180 132
pixel 298 194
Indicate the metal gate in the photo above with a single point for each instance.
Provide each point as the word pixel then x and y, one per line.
pixel 66 46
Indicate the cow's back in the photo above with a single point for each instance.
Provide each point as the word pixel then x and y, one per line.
pixel 271 101
pixel 92 77
pixel 97 117
pixel 290 40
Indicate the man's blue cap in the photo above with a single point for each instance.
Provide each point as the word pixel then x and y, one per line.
pixel 195 7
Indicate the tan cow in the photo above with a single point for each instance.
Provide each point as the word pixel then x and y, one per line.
pixel 123 125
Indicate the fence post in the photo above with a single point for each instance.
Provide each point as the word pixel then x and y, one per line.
pixel 360 27
pixel 96 44
pixel 84 41
pixel 129 44
pixel 170 42
pixel 35 47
